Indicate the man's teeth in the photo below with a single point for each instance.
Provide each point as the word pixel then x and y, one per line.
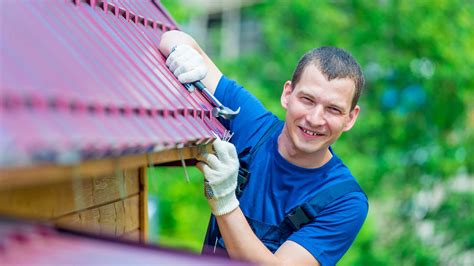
pixel 311 133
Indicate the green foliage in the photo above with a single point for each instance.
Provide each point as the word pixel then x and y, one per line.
pixel 182 213
pixel 416 128
pixel 407 249
pixel 455 218
pixel 363 252
pixel 178 11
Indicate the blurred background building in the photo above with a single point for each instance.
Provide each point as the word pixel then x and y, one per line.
pixel 223 27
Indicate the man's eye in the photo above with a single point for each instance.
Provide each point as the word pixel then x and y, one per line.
pixel 335 110
pixel 306 100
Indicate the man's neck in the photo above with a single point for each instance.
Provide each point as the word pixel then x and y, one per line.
pixel 301 159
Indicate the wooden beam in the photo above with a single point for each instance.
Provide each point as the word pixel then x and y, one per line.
pixel 46 201
pixel 43 174
pixel 143 204
pixel 113 219
pixel 134 235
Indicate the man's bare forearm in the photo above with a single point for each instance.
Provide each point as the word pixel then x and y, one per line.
pixel 241 242
pixel 172 38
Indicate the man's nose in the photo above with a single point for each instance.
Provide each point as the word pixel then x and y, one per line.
pixel 316 117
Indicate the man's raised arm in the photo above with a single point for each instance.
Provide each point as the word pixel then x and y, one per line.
pixel 187 60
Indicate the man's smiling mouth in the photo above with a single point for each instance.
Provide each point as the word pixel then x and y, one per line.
pixel 312 133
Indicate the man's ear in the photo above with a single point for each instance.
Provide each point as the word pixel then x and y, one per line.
pixel 352 118
pixel 287 89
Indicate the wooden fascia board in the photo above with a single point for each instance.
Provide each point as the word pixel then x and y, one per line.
pixel 40 174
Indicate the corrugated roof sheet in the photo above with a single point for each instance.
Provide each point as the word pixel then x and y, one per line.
pixel 35 244
pixel 85 79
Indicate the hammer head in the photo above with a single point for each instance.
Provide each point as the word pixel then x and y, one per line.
pixel 224 112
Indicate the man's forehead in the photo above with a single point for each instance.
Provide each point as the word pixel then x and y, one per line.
pixel 313 74
pixel 335 91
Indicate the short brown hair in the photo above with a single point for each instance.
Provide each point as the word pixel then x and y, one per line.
pixel 334 63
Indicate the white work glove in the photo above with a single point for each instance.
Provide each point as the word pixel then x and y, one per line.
pixel 186 64
pixel 220 173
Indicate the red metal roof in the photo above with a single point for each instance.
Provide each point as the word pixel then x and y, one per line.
pixel 83 79
pixel 35 244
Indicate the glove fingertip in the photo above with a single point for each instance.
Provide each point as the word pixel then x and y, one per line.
pixel 204 168
pixel 170 59
pixel 183 78
pixel 178 72
pixel 172 66
pixel 217 142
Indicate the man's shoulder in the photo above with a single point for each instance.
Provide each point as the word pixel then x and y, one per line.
pixel 253 113
pixel 337 170
pixel 339 175
pixel 257 131
pixel 351 196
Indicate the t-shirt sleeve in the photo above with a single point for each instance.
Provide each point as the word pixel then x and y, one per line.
pixel 333 231
pixel 253 115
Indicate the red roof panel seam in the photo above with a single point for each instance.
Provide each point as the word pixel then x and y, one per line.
pixel 128 14
pixel 104 35
pixel 127 41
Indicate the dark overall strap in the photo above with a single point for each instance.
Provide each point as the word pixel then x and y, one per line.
pixel 306 212
pixel 247 155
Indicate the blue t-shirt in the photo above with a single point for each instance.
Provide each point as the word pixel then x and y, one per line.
pixel 276 186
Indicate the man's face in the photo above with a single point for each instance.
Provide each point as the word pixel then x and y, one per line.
pixel 318 111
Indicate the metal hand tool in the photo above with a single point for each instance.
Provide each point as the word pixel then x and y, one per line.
pixel 219 110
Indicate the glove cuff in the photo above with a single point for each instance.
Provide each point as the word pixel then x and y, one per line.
pixel 223 205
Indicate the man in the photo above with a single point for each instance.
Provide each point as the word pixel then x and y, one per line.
pixel 300 204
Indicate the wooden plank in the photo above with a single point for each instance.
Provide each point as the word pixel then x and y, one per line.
pixel 143 205
pixel 47 201
pixel 131 213
pixel 114 219
pixel 134 235
pixel 119 218
pixel 42 174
